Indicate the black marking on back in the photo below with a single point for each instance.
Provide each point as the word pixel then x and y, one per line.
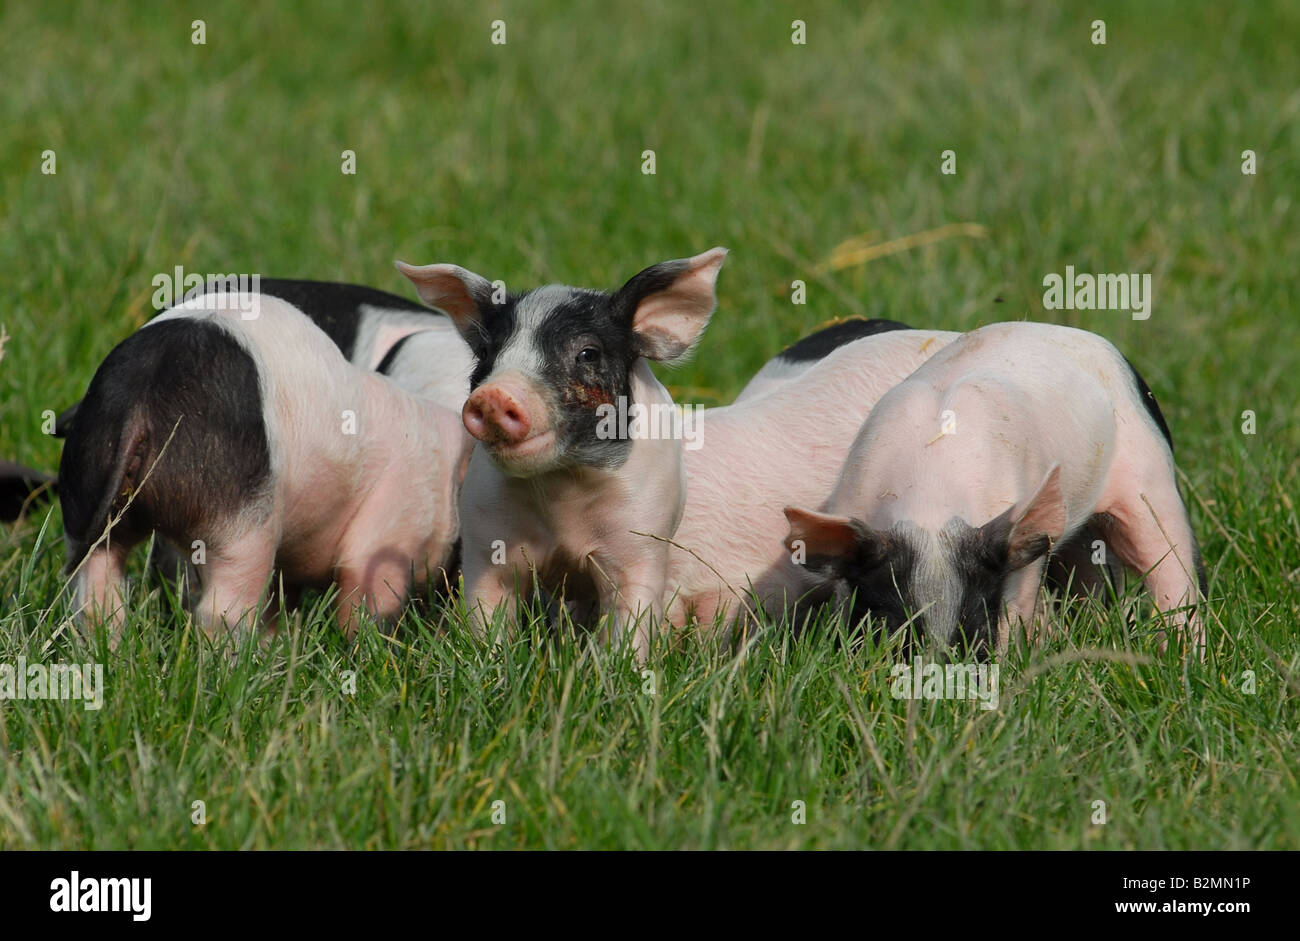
pixel 332 306
pixel 1149 400
pixel 335 307
pixel 829 339
pixel 190 375
pixel 390 358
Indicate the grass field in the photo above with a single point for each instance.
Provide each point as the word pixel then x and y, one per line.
pixel 524 161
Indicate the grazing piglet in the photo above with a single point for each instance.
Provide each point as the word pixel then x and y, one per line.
pixel 970 472
pixel 1072 571
pixel 783 444
pixel 259 439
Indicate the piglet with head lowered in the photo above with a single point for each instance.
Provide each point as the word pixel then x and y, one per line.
pixel 783 439
pixel 972 471
pixel 254 439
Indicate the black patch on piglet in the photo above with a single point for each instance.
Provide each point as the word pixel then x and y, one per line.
pixel 585 350
pixel 188 375
pixel 332 306
pixel 877 574
pixel 821 344
pixel 390 358
pixel 980 559
pixel 489 335
pixel 883 577
pixel 588 350
pixel 336 308
pixel 1152 406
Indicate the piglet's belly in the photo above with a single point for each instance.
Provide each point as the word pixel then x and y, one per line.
pixel 309 557
pixel 316 516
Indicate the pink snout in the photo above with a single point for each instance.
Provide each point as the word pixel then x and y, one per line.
pixel 502 412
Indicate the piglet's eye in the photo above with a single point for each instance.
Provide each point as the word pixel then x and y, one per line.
pixel 589 354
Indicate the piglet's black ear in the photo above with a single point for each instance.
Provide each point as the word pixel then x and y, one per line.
pixel 463 294
pixel 670 304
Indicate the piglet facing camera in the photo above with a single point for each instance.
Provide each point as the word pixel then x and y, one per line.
pixel 653 528
pixel 252 446
pixel 969 474
pixel 548 360
pixel 548 483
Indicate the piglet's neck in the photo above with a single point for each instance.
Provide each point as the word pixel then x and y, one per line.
pixel 647 390
pixel 427 445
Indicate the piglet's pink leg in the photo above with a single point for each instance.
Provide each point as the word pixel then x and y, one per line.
pixel 98 588
pixel 235 577
pixel 377 584
pixel 1151 533
pixel 490 588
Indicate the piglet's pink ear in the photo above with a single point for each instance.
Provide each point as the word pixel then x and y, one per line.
pixel 1041 523
pixel 821 534
pixel 670 304
pixel 463 294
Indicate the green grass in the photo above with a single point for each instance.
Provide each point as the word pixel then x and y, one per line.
pixel 523 162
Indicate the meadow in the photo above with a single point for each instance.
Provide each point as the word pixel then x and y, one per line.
pixel 819 162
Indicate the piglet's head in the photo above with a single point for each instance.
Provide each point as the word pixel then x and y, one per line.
pixel 546 361
pixel 946 585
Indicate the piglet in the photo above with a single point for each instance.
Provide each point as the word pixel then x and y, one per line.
pixel 1073 570
pixel 259 440
pixel 551 494
pixel 971 472
pixel 783 440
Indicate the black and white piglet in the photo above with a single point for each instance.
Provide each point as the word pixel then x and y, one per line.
pixel 970 472
pixel 259 439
